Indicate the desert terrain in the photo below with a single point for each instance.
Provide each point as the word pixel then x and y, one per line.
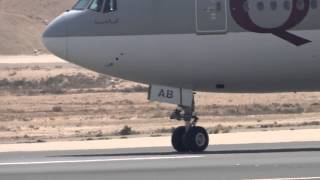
pixel 46 99
pixel 22 23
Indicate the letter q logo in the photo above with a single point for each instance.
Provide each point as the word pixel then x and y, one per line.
pixel 299 11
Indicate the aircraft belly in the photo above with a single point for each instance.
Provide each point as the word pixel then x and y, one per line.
pixel 233 62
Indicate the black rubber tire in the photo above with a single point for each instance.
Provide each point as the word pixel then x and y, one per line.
pixel 196 139
pixel 177 139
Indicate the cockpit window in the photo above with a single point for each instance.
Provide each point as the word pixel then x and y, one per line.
pixel 96 5
pixel 81 5
pixel 110 6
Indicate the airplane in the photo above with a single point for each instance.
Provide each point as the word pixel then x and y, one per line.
pixel 179 47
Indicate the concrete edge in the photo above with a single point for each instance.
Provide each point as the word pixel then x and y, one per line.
pixel 281 136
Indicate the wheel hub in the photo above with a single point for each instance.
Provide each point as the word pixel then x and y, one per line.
pixel 200 139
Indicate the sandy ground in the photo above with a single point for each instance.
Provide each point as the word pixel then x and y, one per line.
pixel 30 112
pixel 219 139
pixel 27 59
pixel 23 22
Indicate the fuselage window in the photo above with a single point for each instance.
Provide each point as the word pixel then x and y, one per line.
pixel 300 5
pixel 218 6
pixel 81 5
pixel 273 5
pixel 96 5
pixel 314 4
pixel 110 6
pixel 287 5
pixel 246 6
pixel 260 6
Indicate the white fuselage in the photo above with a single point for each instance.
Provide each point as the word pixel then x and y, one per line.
pixel 205 45
pixel 242 62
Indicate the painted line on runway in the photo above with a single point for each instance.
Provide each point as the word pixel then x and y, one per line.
pixel 98 160
pixel 296 178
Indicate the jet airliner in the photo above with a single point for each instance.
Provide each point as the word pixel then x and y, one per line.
pixel 179 47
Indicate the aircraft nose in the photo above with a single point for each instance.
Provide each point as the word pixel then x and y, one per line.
pixel 55 37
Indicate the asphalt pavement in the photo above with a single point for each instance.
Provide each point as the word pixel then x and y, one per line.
pixel 299 160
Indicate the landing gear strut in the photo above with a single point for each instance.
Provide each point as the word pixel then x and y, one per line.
pixel 188 138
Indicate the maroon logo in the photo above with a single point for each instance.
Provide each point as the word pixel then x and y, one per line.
pixel 298 13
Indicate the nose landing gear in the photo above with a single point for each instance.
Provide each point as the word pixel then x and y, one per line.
pixel 188 138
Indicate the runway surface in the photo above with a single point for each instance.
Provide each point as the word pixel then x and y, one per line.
pixel 251 161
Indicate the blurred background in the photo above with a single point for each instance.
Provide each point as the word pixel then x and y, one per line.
pixel 43 98
pixel 23 21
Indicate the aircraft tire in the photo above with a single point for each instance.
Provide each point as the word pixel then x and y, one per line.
pixel 177 139
pixel 197 139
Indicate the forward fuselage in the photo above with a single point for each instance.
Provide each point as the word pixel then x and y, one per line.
pixel 204 45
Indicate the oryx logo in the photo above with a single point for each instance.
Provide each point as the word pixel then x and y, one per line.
pixel 300 9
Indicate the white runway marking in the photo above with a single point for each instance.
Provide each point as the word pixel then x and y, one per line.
pixel 98 160
pixel 296 178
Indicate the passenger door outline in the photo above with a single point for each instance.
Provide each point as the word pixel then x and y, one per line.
pixel 210 18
